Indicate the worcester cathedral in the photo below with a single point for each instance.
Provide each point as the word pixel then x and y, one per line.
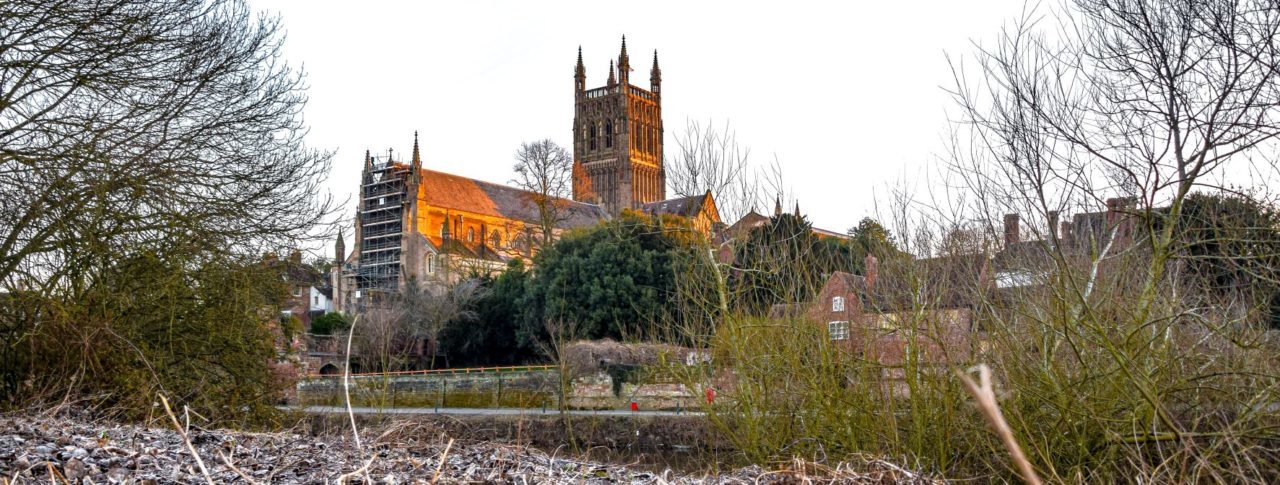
pixel 416 223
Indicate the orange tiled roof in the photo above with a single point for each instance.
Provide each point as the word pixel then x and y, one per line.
pixel 464 194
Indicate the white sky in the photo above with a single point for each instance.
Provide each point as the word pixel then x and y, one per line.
pixel 848 96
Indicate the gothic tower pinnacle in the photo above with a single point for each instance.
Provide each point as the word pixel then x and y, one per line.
pixel 655 75
pixel 580 75
pixel 624 64
pixel 612 80
pixel 417 156
pixel 339 249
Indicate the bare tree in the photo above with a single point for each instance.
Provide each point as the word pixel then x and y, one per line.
pixel 710 159
pixel 383 342
pixel 1151 99
pixel 545 170
pixel 424 312
pixel 125 122
pixel 1139 103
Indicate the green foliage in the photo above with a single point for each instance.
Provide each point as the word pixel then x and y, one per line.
pixel 489 338
pixel 788 390
pixel 785 262
pixel 1230 245
pixel 871 237
pixel 198 329
pixel 615 280
pixel 290 327
pixel 330 323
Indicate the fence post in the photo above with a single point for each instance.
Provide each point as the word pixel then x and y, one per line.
pixel 497 399
pixel 440 381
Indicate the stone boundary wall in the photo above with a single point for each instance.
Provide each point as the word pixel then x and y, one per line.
pixel 525 389
pixel 514 389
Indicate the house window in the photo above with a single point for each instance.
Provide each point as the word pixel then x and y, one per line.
pixel 317 303
pixel 837 304
pixel 471 234
pixel 838 330
pixel 431 264
pixel 297 291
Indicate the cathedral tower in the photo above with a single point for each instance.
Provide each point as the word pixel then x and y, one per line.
pixel 617 138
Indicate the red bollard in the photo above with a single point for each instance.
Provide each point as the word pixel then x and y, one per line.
pixel 634 406
pixel 711 395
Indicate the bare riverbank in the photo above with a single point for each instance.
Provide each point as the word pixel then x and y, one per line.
pixel 38 448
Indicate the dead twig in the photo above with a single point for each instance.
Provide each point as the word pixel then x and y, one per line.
pixel 53 475
pixel 346 394
pixel 227 461
pixel 359 471
pixel 985 396
pixel 185 440
pixel 440 466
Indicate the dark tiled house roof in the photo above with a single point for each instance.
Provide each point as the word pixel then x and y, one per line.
pixel 302 274
pixel 752 220
pixel 943 282
pixel 851 280
pixel 683 206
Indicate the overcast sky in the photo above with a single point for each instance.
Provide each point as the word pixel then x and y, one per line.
pixel 848 96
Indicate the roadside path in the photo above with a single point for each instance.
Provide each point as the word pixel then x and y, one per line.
pixel 485 411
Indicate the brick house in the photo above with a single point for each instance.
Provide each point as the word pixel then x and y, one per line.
pixel 839 305
pixel 932 307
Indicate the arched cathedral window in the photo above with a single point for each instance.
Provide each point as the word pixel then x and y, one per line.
pixel 608 134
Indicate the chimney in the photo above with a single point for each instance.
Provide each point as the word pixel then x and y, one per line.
pixel 870 272
pixel 295 257
pixel 1114 207
pixel 1065 233
pixel 1053 225
pixel 1011 235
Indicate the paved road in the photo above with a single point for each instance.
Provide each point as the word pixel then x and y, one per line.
pixel 485 411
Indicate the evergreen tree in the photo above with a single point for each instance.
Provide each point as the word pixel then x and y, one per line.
pixel 615 280
pixel 490 338
pixel 784 261
pixel 1230 249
